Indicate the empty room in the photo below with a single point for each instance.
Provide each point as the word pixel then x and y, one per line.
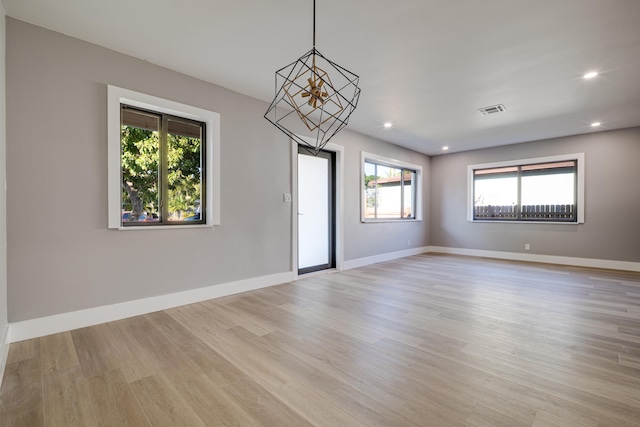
pixel 320 213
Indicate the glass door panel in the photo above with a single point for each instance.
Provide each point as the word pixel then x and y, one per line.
pixel 315 212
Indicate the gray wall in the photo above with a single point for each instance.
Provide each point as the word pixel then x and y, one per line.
pixel 612 200
pixel 62 257
pixel 369 239
pixel 3 175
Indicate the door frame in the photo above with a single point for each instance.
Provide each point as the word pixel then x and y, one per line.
pixel 339 221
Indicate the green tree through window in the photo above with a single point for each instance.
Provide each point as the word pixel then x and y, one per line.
pixel 162 168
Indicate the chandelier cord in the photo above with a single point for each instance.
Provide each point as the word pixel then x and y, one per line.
pixel 305 91
pixel 314 42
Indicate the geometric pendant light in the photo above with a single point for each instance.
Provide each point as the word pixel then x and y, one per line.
pixel 314 98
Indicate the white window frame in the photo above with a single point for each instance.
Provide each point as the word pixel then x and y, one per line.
pixel 364 157
pixel 580 166
pixel 117 96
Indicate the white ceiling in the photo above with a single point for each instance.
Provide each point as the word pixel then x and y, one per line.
pixel 427 66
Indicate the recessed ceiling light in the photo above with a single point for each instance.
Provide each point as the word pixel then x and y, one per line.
pixel 445 148
pixel 595 124
pixel 590 75
pixel 388 125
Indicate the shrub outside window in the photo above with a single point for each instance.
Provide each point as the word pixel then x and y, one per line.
pixel 533 190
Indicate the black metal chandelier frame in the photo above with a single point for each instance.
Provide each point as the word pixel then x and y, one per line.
pixel 314 98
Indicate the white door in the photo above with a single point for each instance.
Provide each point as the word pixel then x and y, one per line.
pixel 315 212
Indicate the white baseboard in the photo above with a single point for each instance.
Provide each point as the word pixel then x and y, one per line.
pixel 43 326
pixel 549 259
pixel 4 352
pixel 361 262
pixel 39 327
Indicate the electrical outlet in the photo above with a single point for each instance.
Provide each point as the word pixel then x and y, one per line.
pixel 527 247
pixel 408 242
pixel 286 197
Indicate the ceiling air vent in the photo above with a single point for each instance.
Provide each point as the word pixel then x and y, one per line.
pixel 494 109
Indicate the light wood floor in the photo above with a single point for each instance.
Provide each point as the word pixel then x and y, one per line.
pixel 428 340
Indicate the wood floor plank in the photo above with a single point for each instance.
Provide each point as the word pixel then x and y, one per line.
pixel 205 358
pixel 213 404
pixel 362 377
pixel 329 392
pixel 607 419
pixel 163 404
pixel 94 350
pixel 134 359
pixel 545 419
pixel 427 340
pixel 24 350
pixel 150 352
pixel 21 392
pixel 630 362
pixel 58 353
pixel 66 398
pixel 482 416
pixel 263 405
pixel 323 412
pixel 113 402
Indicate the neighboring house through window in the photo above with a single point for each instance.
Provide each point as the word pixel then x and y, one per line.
pixel 390 189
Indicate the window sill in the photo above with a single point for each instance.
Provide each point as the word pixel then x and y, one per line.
pixel 373 221
pixel 162 227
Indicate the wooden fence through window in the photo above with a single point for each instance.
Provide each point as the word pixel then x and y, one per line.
pixel 529 212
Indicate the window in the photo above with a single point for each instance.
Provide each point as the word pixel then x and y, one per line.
pixel 162 168
pixel 548 189
pixel 163 163
pixel 390 189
